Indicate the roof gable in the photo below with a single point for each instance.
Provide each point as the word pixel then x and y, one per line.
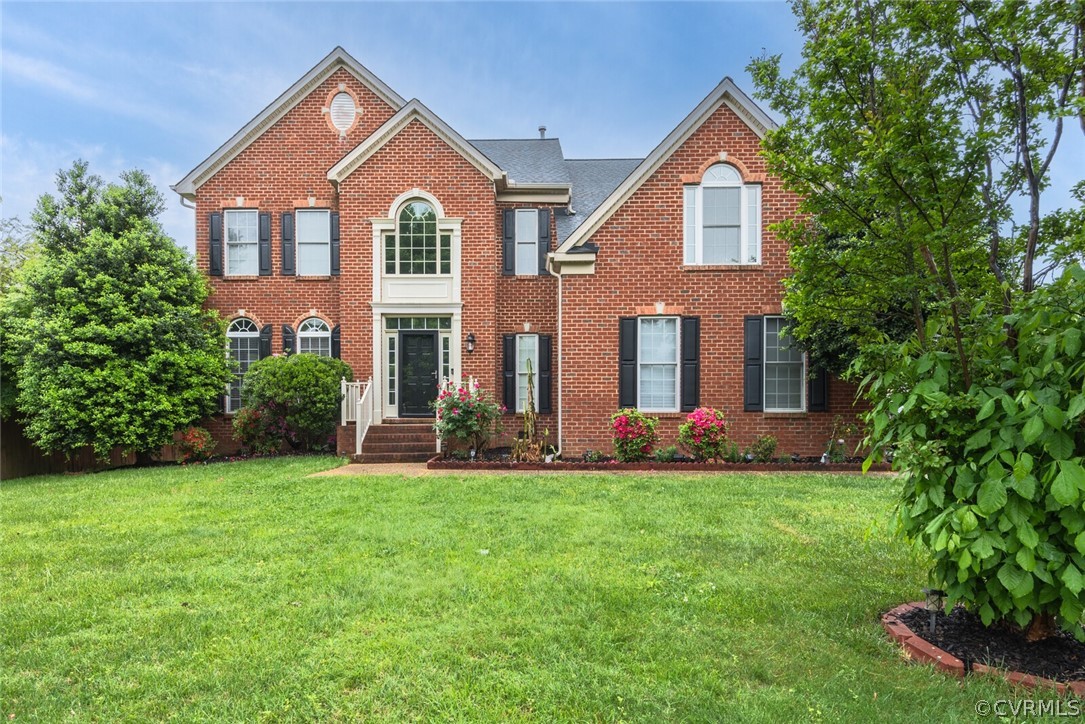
pixel 413 111
pixel 725 94
pixel 278 108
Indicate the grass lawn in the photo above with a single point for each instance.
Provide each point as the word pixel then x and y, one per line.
pixel 248 591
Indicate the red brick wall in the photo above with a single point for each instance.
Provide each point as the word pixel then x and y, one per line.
pixel 640 264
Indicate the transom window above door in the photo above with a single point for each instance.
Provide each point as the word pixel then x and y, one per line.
pixel 417 246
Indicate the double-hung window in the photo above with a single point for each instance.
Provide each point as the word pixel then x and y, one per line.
pixel 785 369
pixel 722 219
pixel 527 357
pixel 657 364
pixel 314 242
pixel 527 241
pixel 242 242
pixel 315 337
pixel 418 246
pixel 243 348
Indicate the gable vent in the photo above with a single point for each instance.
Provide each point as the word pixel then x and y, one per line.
pixel 343 112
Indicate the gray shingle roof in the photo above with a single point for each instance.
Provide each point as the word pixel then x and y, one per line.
pixel 527 161
pixel 541 161
pixel 593 181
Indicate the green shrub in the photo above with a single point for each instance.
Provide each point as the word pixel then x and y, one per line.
pixel 704 433
pixel 993 472
pixel 666 454
pixel 297 398
pixel 466 415
pixel 634 435
pixel 733 453
pixel 763 449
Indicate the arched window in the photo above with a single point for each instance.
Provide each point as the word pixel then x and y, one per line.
pixel 243 347
pixel 722 219
pixel 315 337
pixel 416 247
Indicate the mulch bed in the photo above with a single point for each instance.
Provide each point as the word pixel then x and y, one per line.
pixel 961 644
pixel 500 459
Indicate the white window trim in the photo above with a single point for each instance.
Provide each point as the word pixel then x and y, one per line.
pixel 764 373
pixel 534 371
pixel 227 214
pixel 444 227
pixel 230 335
pixel 303 333
pixel 534 271
pixel 677 365
pixel 744 222
pixel 298 242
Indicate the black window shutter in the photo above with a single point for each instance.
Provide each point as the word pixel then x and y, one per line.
pixel 544 239
pixel 627 362
pixel 288 243
pixel 288 339
pixel 265 245
pixel 508 243
pixel 753 375
pixel 818 392
pixel 265 341
pixel 222 403
pixel 545 375
pixel 337 343
pixel 691 363
pixel 334 220
pixel 508 367
pixel 215 250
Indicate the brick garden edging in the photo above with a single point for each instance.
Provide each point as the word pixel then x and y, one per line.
pixel 440 463
pixel 922 651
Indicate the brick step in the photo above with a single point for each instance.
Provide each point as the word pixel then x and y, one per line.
pixel 392 457
pixel 401 437
pixel 398 447
pixel 407 421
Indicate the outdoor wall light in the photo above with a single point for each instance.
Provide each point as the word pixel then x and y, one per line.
pixel 470 342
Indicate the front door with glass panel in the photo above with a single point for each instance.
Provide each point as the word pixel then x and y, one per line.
pixel 418 369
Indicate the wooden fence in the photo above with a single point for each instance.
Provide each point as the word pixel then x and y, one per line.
pixel 19 457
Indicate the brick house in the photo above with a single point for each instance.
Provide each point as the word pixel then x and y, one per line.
pixel 348 221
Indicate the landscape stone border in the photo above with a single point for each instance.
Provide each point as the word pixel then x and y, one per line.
pixel 919 649
pixel 441 463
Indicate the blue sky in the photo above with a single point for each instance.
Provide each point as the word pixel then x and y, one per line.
pixel 159 86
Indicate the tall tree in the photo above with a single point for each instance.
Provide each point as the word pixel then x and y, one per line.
pixel 115 347
pixel 920 137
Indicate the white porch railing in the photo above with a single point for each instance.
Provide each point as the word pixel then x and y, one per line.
pixel 351 394
pixel 364 416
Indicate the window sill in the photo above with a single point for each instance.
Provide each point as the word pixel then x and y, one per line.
pixel 313 277
pixel 719 267
pixel 798 414
pixel 240 277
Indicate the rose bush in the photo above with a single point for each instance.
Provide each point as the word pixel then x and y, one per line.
pixel 466 415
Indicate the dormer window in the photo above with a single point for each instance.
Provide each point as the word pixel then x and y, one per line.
pixel 722 218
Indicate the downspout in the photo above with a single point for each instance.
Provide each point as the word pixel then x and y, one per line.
pixel 561 367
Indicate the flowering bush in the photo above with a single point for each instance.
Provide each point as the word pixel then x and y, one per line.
pixel 634 435
pixel 259 429
pixel 466 415
pixel 704 434
pixel 195 444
